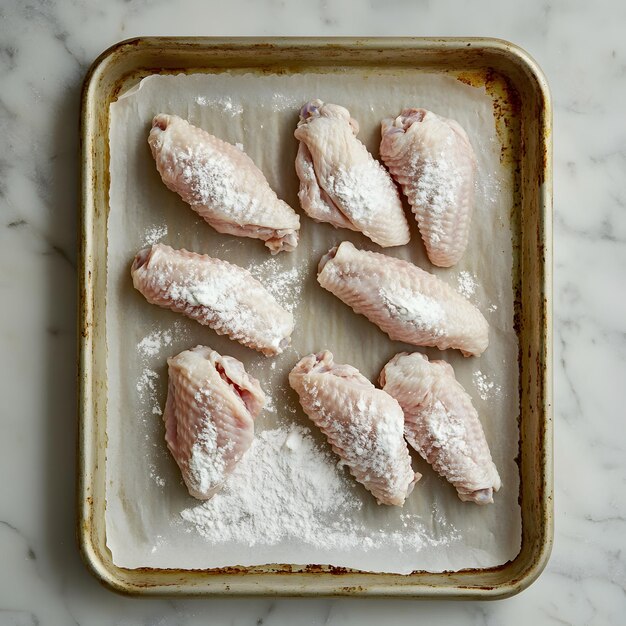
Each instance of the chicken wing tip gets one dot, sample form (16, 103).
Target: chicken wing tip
(311, 109)
(329, 256)
(161, 121)
(141, 258)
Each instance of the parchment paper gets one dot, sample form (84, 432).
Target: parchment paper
(145, 495)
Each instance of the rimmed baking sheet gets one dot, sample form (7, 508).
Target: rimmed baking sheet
(521, 104)
(300, 508)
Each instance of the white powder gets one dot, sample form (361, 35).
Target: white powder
(287, 488)
(152, 343)
(147, 389)
(362, 192)
(150, 350)
(486, 388)
(210, 179)
(434, 195)
(216, 291)
(372, 439)
(446, 429)
(409, 306)
(284, 102)
(158, 540)
(285, 285)
(147, 382)
(283, 486)
(223, 102)
(239, 146)
(269, 406)
(466, 284)
(207, 465)
(220, 295)
(223, 185)
(153, 234)
(155, 476)
(492, 308)
(488, 186)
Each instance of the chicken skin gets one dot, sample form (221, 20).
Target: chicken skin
(221, 183)
(432, 158)
(209, 416)
(340, 182)
(441, 423)
(215, 293)
(403, 300)
(363, 425)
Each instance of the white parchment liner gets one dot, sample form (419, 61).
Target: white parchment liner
(145, 495)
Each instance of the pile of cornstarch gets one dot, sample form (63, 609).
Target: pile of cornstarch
(466, 284)
(288, 487)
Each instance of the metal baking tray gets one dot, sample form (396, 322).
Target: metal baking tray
(522, 108)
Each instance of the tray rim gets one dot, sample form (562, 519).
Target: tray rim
(277, 581)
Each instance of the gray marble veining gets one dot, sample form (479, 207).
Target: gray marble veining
(46, 47)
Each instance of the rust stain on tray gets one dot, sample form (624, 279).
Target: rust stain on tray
(507, 108)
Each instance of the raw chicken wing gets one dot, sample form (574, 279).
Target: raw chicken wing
(215, 293)
(363, 425)
(209, 416)
(340, 182)
(432, 159)
(403, 300)
(221, 183)
(442, 425)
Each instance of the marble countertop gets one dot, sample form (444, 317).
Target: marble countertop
(46, 47)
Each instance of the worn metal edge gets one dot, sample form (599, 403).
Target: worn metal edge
(535, 73)
(539, 558)
(85, 459)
